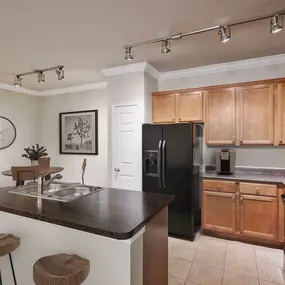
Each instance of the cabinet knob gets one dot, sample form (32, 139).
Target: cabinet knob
(233, 198)
(218, 186)
(234, 140)
(241, 141)
(280, 141)
(179, 119)
(241, 199)
(257, 190)
(173, 120)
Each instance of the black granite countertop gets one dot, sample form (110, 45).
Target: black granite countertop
(113, 213)
(265, 177)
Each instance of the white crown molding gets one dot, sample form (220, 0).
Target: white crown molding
(22, 90)
(224, 67)
(132, 68)
(74, 89)
(52, 92)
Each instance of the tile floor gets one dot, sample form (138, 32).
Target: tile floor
(210, 261)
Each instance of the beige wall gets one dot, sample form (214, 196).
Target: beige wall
(51, 106)
(253, 156)
(23, 111)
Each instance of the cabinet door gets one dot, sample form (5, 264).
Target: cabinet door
(281, 113)
(258, 216)
(220, 116)
(219, 211)
(163, 108)
(256, 114)
(189, 106)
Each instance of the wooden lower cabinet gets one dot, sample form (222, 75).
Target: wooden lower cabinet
(258, 217)
(219, 211)
(247, 213)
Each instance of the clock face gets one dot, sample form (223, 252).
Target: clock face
(7, 132)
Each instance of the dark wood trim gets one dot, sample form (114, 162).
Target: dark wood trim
(203, 88)
(96, 132)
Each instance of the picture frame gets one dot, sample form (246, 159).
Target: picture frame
(78, 132)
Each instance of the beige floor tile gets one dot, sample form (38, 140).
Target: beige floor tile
(239, 243)
(240, 265)
(175, 281)
(271, 272)
(179, 268)
(231, 278)
(264, 254)
(263, 282)
(210, 257)
(212, 243)
(182, 249)
(203, 275)
(240, 250)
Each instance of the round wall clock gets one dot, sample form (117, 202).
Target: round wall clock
(7, 132)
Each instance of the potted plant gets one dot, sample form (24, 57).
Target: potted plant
(34, 153)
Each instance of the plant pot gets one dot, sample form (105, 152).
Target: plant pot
(34, 163)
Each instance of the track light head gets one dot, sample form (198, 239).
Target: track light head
(18, 81)
(225, 33)
(60, 73)
(129, 54)
(165, 46)
(41, 77)
(276, 24)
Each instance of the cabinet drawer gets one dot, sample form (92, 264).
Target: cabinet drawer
(258, 189)
(219, 185)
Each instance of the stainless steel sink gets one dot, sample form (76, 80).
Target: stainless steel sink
(64, 192)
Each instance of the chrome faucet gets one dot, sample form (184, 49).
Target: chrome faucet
(42, 186)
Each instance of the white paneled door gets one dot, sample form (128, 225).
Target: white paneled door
(126, 148)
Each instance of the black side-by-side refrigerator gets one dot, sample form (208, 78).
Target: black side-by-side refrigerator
(172, 159)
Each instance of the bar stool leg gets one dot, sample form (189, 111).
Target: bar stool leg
(0, 278)
(12, 267)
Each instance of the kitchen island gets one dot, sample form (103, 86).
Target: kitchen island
(124, 234)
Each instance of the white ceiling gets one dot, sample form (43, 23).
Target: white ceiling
(87, 36)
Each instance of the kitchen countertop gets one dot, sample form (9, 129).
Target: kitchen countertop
(266, 177)
(113, 213)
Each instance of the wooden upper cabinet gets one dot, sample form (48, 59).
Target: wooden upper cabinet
(163, 108)
(189, 106)
(256, 115)
(280, 126)
(220, 116)
(219, 211)
(258, 216)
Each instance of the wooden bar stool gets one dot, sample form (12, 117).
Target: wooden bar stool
(8, 243)
(61, 269)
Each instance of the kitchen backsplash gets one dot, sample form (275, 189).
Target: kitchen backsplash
(270, 157)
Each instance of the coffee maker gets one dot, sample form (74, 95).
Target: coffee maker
(225, 161)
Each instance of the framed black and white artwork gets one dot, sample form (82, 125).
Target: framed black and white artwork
(78, 132)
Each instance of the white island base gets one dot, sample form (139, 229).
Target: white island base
(141, 260)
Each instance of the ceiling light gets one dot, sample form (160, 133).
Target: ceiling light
(60, 73)
(41, 77)
(276, 24)
(129, 54)
(165, 46)
(18, 81)
(225, 33)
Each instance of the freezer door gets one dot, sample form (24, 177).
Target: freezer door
(151, 146)
(177, 177)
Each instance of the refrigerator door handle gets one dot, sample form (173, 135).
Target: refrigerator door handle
(163, 164)
(159, 165)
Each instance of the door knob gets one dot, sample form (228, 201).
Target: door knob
(117, 169)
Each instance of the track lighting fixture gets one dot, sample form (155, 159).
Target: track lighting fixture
(129, 54)
(165, 46)
(59, 69)
(60, 73)
(41, 77)
(18, 81)
(276, 24)
(225, 34)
